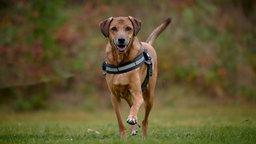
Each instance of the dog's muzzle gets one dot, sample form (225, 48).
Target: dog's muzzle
(121, 44)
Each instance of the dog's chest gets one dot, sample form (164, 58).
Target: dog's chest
(120, 90)
(118, 79)
(119, 84)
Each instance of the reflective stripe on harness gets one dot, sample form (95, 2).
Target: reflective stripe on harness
(129, 66)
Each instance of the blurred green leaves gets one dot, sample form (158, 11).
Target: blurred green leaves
(29, 53)
(210, 45)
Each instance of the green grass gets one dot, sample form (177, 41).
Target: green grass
(211, 124)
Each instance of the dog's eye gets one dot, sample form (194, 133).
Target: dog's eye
(114, 29)
(128, 28)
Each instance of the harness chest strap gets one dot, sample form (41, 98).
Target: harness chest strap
(129, 66)
(143, 58)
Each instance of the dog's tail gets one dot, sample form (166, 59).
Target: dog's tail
(156, 32)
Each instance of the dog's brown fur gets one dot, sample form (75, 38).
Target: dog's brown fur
(128, 85)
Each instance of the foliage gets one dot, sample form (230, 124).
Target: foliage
(29, 53)
(210, 45)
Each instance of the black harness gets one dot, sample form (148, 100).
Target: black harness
(143, 58)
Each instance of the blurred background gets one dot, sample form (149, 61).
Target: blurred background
(51, 52)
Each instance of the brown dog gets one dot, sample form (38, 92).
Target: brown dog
(124, 80)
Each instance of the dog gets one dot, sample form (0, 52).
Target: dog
(135, 84)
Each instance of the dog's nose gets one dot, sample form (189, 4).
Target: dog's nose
(121, 40)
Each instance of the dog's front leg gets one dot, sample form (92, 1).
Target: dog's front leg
(134, 128)
(138, 100)
(116, 105)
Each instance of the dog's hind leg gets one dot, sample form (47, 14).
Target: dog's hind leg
(148, 99)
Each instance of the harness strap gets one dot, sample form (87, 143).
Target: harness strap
(144, 57)
(148, 61)
(126, 67)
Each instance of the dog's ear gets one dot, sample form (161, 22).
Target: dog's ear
(104, 26)
(136, 24)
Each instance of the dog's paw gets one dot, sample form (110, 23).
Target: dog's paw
(131, 120)
(134, 132)
(134, 129)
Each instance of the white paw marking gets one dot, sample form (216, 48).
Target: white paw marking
(131, 121)
(133, 132)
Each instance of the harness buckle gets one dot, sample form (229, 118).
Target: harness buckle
(147, 57)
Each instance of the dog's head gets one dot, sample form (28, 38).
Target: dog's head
(120, 31)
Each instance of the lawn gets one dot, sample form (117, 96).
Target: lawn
(174, 124)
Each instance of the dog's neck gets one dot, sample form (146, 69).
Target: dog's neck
(118, 58)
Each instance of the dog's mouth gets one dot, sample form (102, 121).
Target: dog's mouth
(121, 47)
